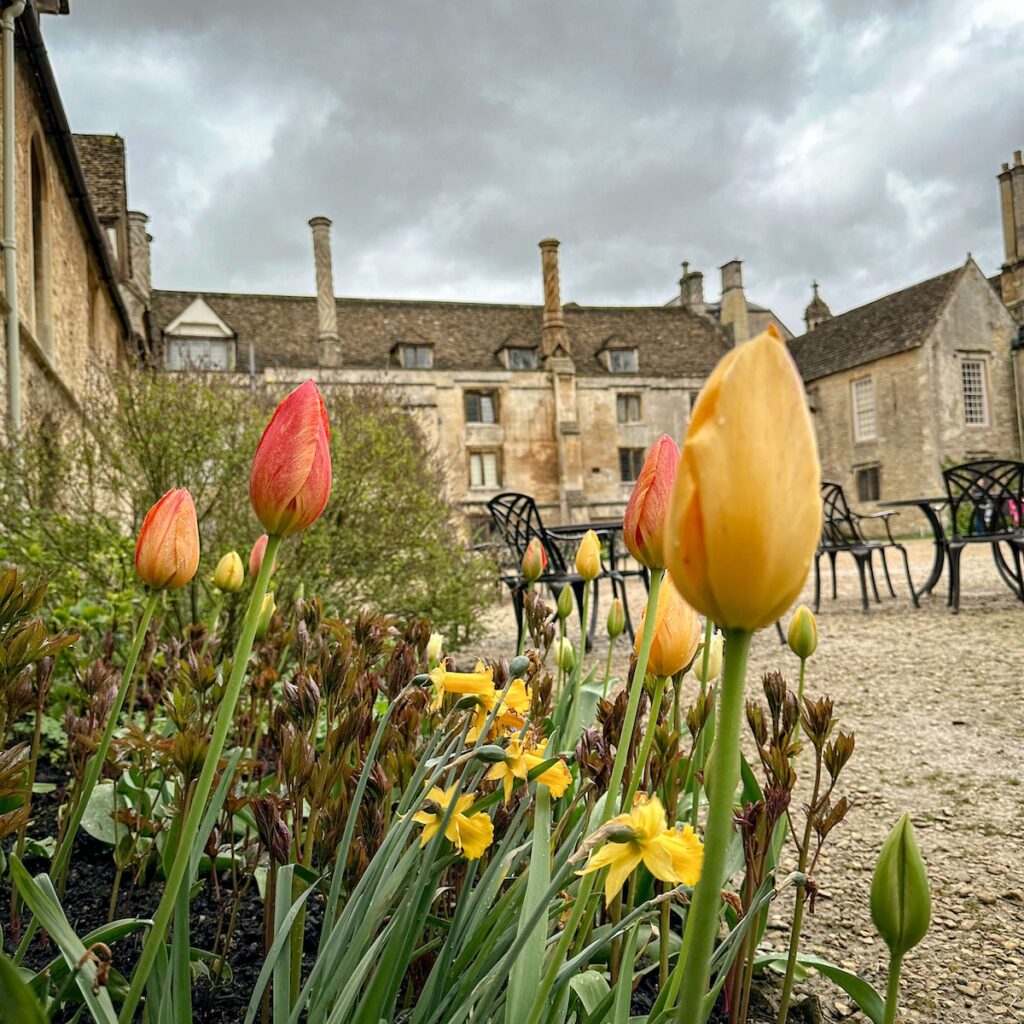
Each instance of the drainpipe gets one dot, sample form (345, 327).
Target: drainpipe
(8, 241)
(1016, 346)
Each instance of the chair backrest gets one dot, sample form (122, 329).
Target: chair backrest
(838, 528)
(517, 520)
(986, 498)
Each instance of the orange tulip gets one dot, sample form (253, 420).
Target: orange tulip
(291, 473)
(643, 526)
(535, 560)
(745, 514)
(676, 633)
(259, 549)
(167, 551)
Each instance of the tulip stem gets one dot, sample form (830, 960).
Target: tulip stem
(648, 740)
(892, 988)
(577, 672)
(799, 698)
(635, 689)
(608, 666)
(222, 724)
(697, 762)
(723, 778)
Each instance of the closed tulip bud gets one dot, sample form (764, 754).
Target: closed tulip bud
(267, 610)
(616, 618)
(676, 633)
(229, 574)
(803, 632)
(643, 525)
(167, 551)
(535, 560)
(259, 549)
(745, 514)
(900, 900)
(714, 658)
(434, 645)
(564, 604)
(518, 667)
(291, 472)
(588, 556)
(565, 654)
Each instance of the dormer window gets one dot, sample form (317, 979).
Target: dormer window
(521, 358)
(198, 354)
(623, 360)
(417, 357)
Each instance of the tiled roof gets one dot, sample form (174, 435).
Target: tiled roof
(885, 327)
(465, 335)
(102, 160)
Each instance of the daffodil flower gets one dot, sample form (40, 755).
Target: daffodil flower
(479, 682)
(470, 834)
(671, 855)
(515, 702)
(520, 760)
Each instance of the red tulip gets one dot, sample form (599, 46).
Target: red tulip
(259, 549)
(167, 551)
(291, 473)
(643, 526)
(535, 560)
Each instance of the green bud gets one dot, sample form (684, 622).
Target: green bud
(803, 632)
(900, 901)
(518, 667)
(267, 610)
(565, 602)
(565, 655)
(490, 752)
(616, 618)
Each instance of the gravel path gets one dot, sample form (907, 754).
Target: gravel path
(935, 702)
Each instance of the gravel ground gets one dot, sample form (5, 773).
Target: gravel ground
(934, 700)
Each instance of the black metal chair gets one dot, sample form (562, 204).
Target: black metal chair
(986, 506)
(518, 521)
(841, 533)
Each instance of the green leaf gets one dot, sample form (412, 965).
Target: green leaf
(860, 991)
(98, 816)
(18, 1000)
(591, 988)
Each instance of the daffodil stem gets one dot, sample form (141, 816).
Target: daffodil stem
(648, 741)
(723, 778)
(633, 703)
(697, 764)
(222, 725)
(892, 988)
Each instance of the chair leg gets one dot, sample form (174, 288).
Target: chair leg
(885, 570)
(594, 601)
(832, 559)
(955, 551)
(782, 636)
(578, 588)
(910, 583)
(871, 576)
(817, 582)
(619, 590)
(517, 608)
(1017, 567)
(862, 571)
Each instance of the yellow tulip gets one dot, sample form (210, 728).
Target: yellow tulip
(588, 556)
(671, 855)
(803, 632)
(520, 760)
(676, 633)
(745, 514)
(229, 574)
(470, 834)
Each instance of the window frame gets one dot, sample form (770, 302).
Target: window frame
(409, 347)
(859, 434)
(614, 352)
(522, 350)
(864, 473)
(631, 453)
(176, 343)
(982, 365)
(480, 395)
(625, 400)
(482, 453)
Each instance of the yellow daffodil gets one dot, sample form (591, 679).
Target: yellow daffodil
(520, 760)
(479, 682)
(515, 700)
(470, 834)
(671, 855)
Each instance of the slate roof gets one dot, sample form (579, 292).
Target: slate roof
(892, 324)
(465, 335)
(103, 164)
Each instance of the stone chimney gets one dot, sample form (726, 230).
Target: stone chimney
(691, 290)
(816, 311)
(734, 303)
(328, 343)
(136, 289)
(555, 338)
(1011, 201)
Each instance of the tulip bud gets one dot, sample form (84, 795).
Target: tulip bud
(565, 601)
(714, 658)
(167, 551)
(259, 549)
(565, 654)
(434, 645)
(518, 667)
(229, 574)
(803, 633)
(267, 610)
(616, 619)
(643, 525)
(291, 471)
(900, 901)
(535, 560)
(676, 633)
(745, 514)
(588, 556)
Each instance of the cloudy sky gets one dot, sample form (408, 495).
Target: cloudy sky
(848, 140)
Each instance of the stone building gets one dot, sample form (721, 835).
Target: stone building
(70, 318)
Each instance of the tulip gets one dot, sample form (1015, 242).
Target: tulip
(643, 526)
(900, 900)
(588, 557)
(291, 472)
(564, 603)
(745, 514)
(229, 574)
(256, 556)
(167, 551)
(434, 645)
(535, 560)
(676, 634)
(267, 609)
(565, 654)
(803, 633)
(714, 659)
(616, 619)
